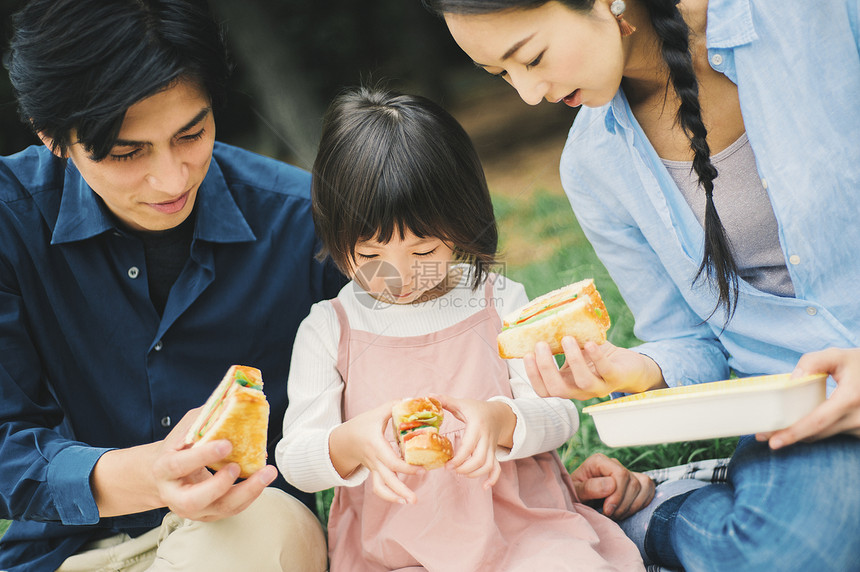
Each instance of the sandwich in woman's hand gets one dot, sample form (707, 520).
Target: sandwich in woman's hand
(237, 411)
(416, 425)
(575, 310)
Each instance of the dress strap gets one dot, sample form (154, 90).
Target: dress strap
(489, 296)
(343, 340)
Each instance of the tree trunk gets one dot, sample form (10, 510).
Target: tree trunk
(282, 98)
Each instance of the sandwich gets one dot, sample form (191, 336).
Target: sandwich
(237, 411)
(576, 310)
(416, 425)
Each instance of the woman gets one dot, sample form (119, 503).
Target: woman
(720, 199)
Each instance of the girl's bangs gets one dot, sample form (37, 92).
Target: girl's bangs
(403, 200)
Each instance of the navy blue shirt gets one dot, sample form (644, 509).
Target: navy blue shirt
(87, 363)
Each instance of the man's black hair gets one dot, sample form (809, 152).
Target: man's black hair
(76, 66)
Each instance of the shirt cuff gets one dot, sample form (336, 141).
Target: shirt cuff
(687, 363)
(69, 483)
(355, 478)
(519, 437)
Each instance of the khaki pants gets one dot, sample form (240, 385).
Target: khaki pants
(277, 532)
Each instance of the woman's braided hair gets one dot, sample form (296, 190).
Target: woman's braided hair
(717, 260)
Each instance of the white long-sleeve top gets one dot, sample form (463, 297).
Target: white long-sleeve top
(315, 387)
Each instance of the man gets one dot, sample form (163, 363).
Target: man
(139, 260)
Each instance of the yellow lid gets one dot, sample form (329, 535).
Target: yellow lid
(728, 386)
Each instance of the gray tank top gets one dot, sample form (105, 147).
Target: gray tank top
(746, 212)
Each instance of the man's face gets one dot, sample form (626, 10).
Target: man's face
(150, 178)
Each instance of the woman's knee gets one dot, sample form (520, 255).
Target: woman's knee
(791, 506)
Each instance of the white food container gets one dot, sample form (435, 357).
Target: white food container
(708, 410)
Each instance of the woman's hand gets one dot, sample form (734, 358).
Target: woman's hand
(361, 441)
(625, 492)
(840, 413)
(594, 371)
(489, 424)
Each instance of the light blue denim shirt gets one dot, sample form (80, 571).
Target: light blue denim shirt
(797, 69)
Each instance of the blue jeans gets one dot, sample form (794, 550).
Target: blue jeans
(797, 508)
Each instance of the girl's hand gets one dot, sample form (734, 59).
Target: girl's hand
(594, 371)
(625, 492)
(489, 424)
(840, 413)
(361, 441)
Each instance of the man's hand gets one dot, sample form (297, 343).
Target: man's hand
(625, 492)
(190, 490)
(172, 474)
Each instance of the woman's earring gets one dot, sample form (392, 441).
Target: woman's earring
(617, 8)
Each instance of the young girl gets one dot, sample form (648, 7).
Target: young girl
(402, 206)
(724, 204)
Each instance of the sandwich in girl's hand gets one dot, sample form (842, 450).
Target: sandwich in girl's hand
(575, 310)
(237, 411)
(416, 424)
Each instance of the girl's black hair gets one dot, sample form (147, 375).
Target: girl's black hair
(390, 162)
(78, 65)
(717, 260)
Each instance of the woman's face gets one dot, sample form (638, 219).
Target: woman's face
(550, 52)
(150, 178)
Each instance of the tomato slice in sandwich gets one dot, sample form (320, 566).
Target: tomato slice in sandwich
(411, 426)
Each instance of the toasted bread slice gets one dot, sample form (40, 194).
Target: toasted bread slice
(576, 310)
(237, 411)
(427, 448)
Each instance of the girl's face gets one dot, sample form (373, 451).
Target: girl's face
(550, 52)
(404, 270)
(149, 180)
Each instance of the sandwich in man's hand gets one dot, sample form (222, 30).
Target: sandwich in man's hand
(576, 310)
(416, 424)
(237, 411)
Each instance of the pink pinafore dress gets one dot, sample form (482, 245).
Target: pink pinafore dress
(527, 521)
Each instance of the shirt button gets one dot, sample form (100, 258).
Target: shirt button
(811, 311)
(717, 59)
(764, 183)
(794, 259)
(133, 272)
(165, 421)
(158, 345)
